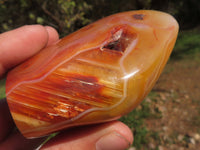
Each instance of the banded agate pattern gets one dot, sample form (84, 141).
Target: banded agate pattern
(93, 75)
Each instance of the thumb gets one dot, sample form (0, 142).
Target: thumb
(109, 136)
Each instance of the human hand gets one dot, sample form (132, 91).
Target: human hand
(15, 47)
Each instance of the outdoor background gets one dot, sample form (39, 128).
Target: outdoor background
(169, 117)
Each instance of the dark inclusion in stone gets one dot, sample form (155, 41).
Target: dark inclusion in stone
(115, 45)
(138, 16)
(119, 41)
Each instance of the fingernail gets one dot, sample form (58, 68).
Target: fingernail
(112, 141)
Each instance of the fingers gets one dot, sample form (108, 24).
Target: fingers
(19, 44)
(53, 35)
(108, 136)
(6, 122)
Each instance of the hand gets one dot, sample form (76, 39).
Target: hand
(15, 47)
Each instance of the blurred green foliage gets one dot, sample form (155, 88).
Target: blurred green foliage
(135, 120)
(188, 44)
(69, 15)
(2, 89)
(64, 15)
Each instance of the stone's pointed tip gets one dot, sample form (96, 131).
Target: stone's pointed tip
(164, 19)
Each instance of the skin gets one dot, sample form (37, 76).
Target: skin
(15, 47)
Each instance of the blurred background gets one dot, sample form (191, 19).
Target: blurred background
(169, 117)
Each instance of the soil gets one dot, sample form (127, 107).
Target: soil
(178, 101)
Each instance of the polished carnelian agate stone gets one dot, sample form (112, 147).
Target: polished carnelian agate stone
(93, 75)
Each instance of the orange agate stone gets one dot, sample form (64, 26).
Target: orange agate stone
(93, 75)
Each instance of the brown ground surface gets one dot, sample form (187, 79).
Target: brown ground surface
(178, 101)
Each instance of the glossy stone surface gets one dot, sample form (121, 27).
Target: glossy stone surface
(95, 74)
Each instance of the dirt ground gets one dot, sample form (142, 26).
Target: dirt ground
(178, 101)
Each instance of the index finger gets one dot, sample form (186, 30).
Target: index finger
(19, 44)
